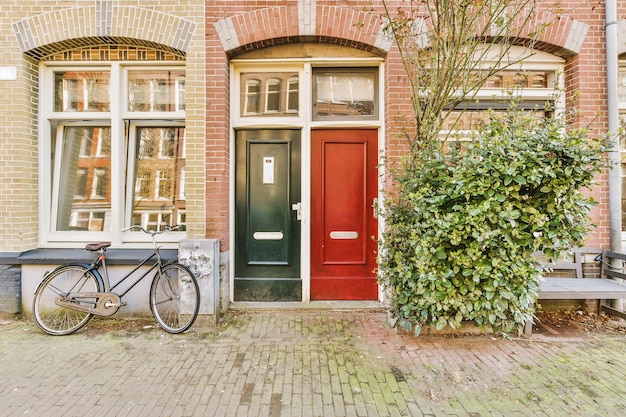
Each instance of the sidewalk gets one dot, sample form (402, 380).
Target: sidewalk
(305, 363)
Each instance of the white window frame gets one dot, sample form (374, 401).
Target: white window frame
(248, 94)
(180, 93)
(165, 143)
(82, 173)
(181, 191)
(161, 175)
(51, 125)
(141, 185)
(100, 175)
(529, 60)
(99, 152)
(270, 82)
(132, 127)
(85, 148)
(290, 82)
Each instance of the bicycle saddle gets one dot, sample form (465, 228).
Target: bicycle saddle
(97, 246)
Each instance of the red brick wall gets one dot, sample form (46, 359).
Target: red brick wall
(585, 84)
(263, 23)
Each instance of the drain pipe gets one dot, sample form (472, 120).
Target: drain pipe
(615, 180)
(615, 168)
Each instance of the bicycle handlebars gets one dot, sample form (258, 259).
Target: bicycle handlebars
(152, 232)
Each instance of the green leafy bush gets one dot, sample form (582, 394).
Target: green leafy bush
(460, 236)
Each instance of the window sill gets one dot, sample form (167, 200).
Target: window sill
(114, 256)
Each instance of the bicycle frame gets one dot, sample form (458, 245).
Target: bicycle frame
(109, 302)
(69, 296)
(100, 261)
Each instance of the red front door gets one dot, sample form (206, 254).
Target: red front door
(344, 180)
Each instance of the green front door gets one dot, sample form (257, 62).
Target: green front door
(267, 216)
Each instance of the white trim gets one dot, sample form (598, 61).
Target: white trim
(306, 106)
(304, 122)
(234, 91)
(131, 143)
(51, 121)
(381, 165)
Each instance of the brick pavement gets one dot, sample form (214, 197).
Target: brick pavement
(305, 363)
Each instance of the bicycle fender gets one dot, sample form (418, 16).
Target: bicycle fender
(95, 273)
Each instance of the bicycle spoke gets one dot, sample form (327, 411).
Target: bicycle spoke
(67, 281)
(174, 298)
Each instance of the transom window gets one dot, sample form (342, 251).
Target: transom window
(269, 94)
(116, 137)
(349, 93)
(334, 94)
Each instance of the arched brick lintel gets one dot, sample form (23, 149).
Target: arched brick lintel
(542, 30)
(102, 23)
(556, 34)
(289, 24)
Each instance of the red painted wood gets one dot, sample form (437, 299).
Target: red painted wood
(343, 228)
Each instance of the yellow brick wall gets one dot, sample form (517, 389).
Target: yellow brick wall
(52, 27)
(18, 143)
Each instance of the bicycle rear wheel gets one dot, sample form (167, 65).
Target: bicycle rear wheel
(70, 279)
(175, 298)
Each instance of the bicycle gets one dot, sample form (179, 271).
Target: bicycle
(70, 295)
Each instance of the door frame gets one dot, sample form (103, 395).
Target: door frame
(306, 125)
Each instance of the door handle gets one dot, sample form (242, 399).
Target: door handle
(297, 207)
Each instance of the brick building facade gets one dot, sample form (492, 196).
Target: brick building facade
(260, 123)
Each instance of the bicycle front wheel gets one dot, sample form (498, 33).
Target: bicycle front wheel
(70, 279)
(175, 298)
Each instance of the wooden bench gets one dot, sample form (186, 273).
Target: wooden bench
(609, 286)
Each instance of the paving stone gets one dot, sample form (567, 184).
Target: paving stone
(309, 363)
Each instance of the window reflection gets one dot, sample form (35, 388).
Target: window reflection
(156, 90)
(159, 197)
(253, 94)
(272, 95)
(82, 91)
(84, 198)
(345, 94)
(265, 94)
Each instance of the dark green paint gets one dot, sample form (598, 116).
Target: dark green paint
(267, 269)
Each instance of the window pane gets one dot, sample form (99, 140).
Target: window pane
(84, 201)
(82, 91)
(268, 94)
(272, 97)
(253, 94)
(293, 96)
(156, 90)
(345, 94)
(475, 119)
(622, 136)
(159, 197)
(622, 84)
